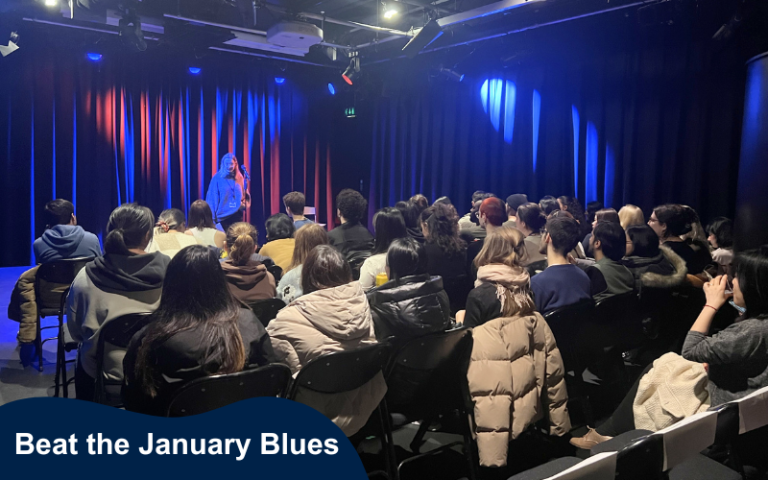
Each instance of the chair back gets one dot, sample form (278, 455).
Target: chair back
(342, 371)
(568, 325)
(727, 423)
(619, 323)
(642, 459)
(266, 310)
(753, 410)
(209, 393)
(688, 437)
(426, 374)
(356, 260)
(458, 289)
(117, 333)
(60, 272)
(309, 212)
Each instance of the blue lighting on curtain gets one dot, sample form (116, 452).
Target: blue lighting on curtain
(187, 156)
(94, 57)
(54, 149)
(575, 114)
(331, 89)
(510, 95)
(200, 155)
(32, 187)
(610, 172)
(279, 80)
(74, 152)
(498, 98)
(219, 118)
(195, 70)
(130, 154)
(536, 121)
(590, 181)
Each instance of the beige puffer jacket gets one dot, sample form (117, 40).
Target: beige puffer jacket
(331, 320)
(515, 365)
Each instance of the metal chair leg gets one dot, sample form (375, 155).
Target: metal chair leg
(387, 442)
(39, 345)
(418, 439)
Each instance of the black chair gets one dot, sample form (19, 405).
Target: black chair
(427, 377)
(619, 322)
(209, 393)
(117, 333)
(356, 260)
(458, 289)
(266, 310)
(61, 273)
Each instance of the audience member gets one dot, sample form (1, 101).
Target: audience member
(492, 215)
(198, 330)
(670, 222)
(169, 235)
(411, 212)
(602, 215)
(412, 303)
(332, 316)
(294, 206)
(202, 226)
(720, 237)
(513, 203)
(736, 357)
(548, 204)
(608, 276)
(247, 278)
(388, 224)
(592, 208)
(125, 280)
(420, 201)
(446, 252)
(351, 238)
(652, 265)
(630, 215)
(561, 284)
(280, 241)
(63, 237)
(289, 288)
(531, 221)
(573, 206)
(444, 201)
(470, 220)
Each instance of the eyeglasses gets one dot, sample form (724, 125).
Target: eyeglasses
(652, 220)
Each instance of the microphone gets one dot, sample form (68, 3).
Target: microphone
(245, 172)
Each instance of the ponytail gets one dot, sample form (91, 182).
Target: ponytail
(128, 227)
(115, 243)
(242, 239)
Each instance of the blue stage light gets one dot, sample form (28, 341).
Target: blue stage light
(194, 70)
(332, 89)
(279, 80)
(94, 57)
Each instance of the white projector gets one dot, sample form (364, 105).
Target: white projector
(298, 35)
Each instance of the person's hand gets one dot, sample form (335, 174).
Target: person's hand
(460, 316)
(715, 291)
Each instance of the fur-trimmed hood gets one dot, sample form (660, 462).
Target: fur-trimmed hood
(646, 269)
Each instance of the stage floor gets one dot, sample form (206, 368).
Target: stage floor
(18, 382)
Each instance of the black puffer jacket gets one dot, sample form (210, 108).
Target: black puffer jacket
(410, 307)
(665, 270)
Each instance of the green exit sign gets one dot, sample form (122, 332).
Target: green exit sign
(349, 112)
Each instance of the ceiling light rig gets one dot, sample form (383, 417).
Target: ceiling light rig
(451, 74)
(353, 70)
(390, 11)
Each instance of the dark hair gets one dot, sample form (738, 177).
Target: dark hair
(58, 212)
(351, 204)
(573, 206)
(242, 239)
(645, 242)
(478, 195)
(402, 207)
(679, 219)
(514, 202)
(531, 215)
(389, 225)
(128, 227)
(612, 238)
(170, 219)
(443, 200)
(592, 208)
(295, 201)
(722, 229)
(279, 226)
(443, 228)
(195, 296)
(494, 210)
(548, 204)
(406, 256)
(420, 201)
(564, 232)
(607, 215)
(751, 269)
(324, 268)
(200, 215)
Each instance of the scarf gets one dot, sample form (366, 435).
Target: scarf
(516, 280)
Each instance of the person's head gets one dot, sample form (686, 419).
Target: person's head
(643, 241)
(307, 237)
(279, 226)
(562, 233)
(228, 164)
(200, 215)
(325, 267)
(609, 240)
(492, 212)
(441, 227)
(405, 257)
(129, 228)
(506, 246)
(171, 219)
(294, 203)
(351, 205)
(402, 207)
(242, 240)
(606, 215)
(59, 212)
(478, 195)
(514, 202)
(750, 281)
(444, 201)
(672, 220)
(420, 200)
(548, 204)
(631, 215)
(572, 206)
(530, 218)
(720, 233)
(389, 225)
(195, 296)
(592, 208)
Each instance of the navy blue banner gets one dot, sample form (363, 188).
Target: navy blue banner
(257, 438)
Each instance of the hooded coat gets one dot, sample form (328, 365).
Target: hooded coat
(322, 322)
(250, 282)
(665, 270)
(66, 241)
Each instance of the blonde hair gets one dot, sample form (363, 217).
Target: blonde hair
(631, 215)
(307, 237)
(504, 246)
(242, 239)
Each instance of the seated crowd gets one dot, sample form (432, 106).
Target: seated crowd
(498, 270)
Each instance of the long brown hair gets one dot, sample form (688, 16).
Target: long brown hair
(506, 246)
(307, 237)
(242, 239)
(200, 215)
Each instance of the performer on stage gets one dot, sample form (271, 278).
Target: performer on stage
(226, 195)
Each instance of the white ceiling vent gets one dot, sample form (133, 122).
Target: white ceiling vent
(296, 35)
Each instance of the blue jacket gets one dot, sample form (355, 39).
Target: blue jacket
(224, 196)
(66, 241)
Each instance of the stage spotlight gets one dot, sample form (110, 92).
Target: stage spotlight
(94, 57)
(390, 12)
(426, 35)
(451, 74)
(130, 31)
(279, 80)
(51, 3)
(194, 70)
(331, 89)
(352, 71)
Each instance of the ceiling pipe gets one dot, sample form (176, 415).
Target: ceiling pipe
(484, 11)
(373, 28)
(272, 57)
